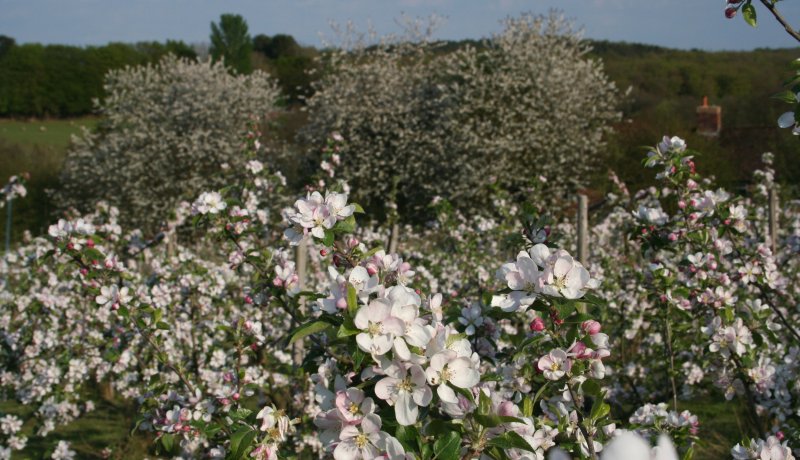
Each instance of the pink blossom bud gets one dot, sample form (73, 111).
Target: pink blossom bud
(277, 282)
(254, 346)
(235, 396)
(694, 216)
(507, 409)
(372, 269)
(578, 349)
(691, 185)
(341, 304)
(248, 325)
(591, 327)
(323, 252)
(352, 242)
(90, 243)
(84, 271)
(672, 237)
(693, 203)
(248, 300)
(682, 204)
(228, 377)
(537, 325)
(225, 401)
(779, 435)
(70, 246)
(726, 221)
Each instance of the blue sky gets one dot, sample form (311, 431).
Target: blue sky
(674, 23)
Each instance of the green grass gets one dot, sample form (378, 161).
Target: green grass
(722, 425)
(108, 425)
(38, 148)
(44, 133)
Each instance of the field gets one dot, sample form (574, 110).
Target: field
(37, 147)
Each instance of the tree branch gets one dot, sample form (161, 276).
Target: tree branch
(768, 4)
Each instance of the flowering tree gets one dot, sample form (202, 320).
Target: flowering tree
(168, 128)
(419, 124)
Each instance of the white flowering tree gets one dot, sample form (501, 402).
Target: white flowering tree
(168, 128)
(419, 123)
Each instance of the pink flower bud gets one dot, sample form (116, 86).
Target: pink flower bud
(591, 327)
(507, 409)
(372, 269)
(578, 349)
(672, 237)
(691, 185)
(277, 282)
(779, 435)
(537, 325)
(235, 396)
(682, 204)
(341, 304)
(323, 252)
(248, 300)
(352, 242)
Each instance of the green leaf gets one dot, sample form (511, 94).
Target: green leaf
(162, 325)
(167, 442)
(599, 409)
(491, 378)
(345, 226)
(358, 358)
(352, 300)
(786, 96)
(491, 420)
(448, 446)
(527, 407)
(484, 404)
(749, 14)
(240, 442)
(328, 239)
(463, 392)
(407, 435)
(358, 209)
(510, 440)
(308, 329)
(591, 388)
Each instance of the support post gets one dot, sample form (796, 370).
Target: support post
(9, 212)
(583, 228)
(394, 238)
(301, 261)
(773, 220)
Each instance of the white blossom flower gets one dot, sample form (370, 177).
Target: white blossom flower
(406, 389)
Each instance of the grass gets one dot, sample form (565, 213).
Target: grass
(43, 133)
(39, 148)
(722, 425)
(107, 426)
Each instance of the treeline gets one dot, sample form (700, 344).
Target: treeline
(667, 85)
(61, 81)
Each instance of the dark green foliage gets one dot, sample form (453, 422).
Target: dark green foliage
(293, 65)
(666, 88)
(6, 43)
(277, 46)
(231, 43)
(61, 81)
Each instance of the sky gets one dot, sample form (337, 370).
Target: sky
(682, 24)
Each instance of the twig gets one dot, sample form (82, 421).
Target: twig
(589, 439)
(768, 4)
